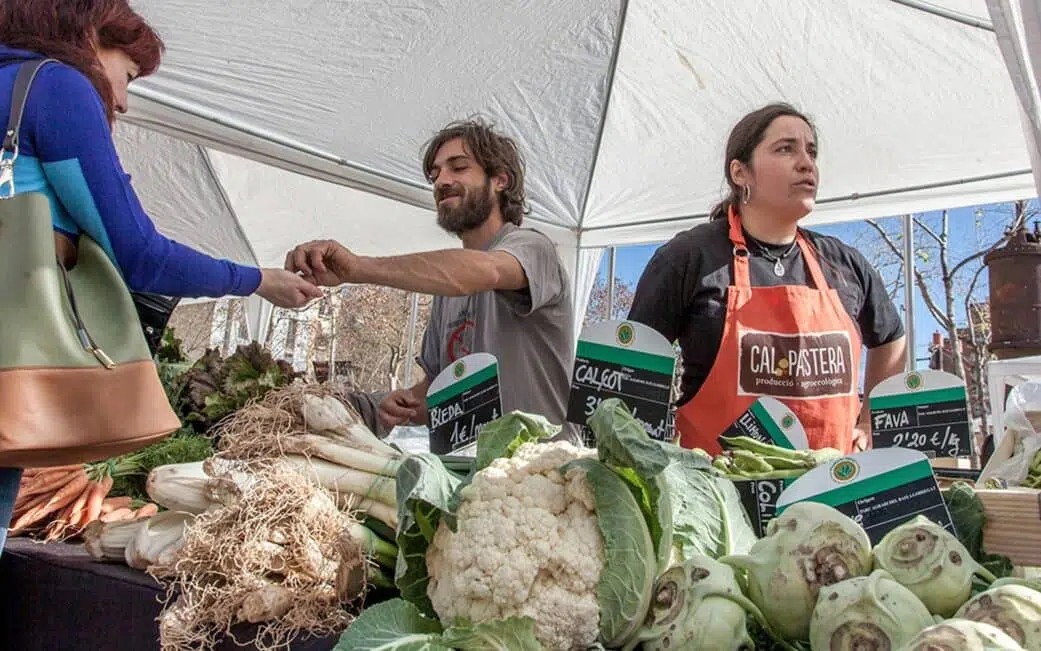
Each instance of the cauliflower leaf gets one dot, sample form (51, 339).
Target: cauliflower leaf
(397, 625)
(425, 491)
(625, 588)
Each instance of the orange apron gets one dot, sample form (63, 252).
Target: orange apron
(794, 343)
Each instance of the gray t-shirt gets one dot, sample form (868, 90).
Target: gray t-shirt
(529, 331)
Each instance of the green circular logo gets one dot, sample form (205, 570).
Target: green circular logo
(844, 470)
(459, 369)
(625, 334)
(913, 381)
(787, 421)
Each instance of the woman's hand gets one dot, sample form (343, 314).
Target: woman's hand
(861, 437)
(286, 289)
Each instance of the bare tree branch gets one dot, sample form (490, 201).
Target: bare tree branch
(886, 238)
(928, 231)
(931, 305)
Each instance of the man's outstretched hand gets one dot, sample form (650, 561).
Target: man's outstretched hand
(322, 262)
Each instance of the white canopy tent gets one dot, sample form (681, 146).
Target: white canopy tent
(272, 122)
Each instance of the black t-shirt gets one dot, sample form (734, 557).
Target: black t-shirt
(683, 291)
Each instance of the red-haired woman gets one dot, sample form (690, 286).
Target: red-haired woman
(65, 151)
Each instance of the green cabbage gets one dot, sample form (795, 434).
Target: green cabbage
(866, 612)
(809, 546)
(961, 635)
(1015, 609)
(931, 562)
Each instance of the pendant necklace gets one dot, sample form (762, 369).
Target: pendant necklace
(778, 267)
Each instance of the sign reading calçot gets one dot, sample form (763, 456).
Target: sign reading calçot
(461, 400)
(879, 489)
(922, 410)
(629, 361)
(768, 420)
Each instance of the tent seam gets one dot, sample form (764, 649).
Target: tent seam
(611, 70)
(227, 202)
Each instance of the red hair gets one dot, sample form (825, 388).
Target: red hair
(66, 30)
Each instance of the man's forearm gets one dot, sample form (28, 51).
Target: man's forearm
(883, 362)
(443, 273)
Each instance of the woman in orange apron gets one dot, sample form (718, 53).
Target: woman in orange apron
(761, 307)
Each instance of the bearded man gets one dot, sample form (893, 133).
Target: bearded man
(505, 292)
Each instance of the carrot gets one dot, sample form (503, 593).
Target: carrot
(93, 508)
(122, 513)
(48, 482)
(76, 508)
(32, 472)
(41, 498)
(147, 511)
(110, 504)
(66, 494)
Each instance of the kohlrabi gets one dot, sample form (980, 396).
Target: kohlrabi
(961, 635)
(698, 606)
(931, 562)
(866, 613)
(809, 546)
(1015, 609)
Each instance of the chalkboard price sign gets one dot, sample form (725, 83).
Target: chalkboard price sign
(461, 400)
(629, 361)
(922, 410)
(879, 489)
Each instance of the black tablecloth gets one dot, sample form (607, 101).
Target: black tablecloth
(56, 598)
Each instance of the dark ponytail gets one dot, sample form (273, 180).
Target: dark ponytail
(744, 138)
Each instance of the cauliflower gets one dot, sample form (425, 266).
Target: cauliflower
(527, 543)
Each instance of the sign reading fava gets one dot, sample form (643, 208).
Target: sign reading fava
(629, 361)
(879, 489)
(922, 410)
(461, 400)
(769, 421)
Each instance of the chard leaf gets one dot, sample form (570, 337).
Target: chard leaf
(393, 625)
(707, 516)
(622, 441)
(512, 634)
(425, 493)
(626, 583)
(968, 517)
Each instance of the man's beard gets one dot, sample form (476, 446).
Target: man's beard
(475, 206)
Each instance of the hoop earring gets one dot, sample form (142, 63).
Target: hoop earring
(747, 193)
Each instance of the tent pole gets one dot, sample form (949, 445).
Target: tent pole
(412, 318)
(909, 290)
(956, 16)
(610, 282)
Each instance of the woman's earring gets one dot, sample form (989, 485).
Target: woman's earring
(747, 193)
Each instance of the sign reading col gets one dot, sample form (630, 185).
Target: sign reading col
(629, 361)
(461, 400)
(879, 489)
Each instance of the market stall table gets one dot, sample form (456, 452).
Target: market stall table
(57, 598)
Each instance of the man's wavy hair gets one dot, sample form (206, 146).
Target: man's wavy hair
(495, 153)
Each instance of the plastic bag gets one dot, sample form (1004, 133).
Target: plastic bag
(1023, 424)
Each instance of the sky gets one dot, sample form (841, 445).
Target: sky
(970, 229)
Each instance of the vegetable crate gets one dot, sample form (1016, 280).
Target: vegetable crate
(1013, 524)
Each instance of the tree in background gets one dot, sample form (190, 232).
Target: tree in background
(371, 326)
(599, 296)
(949, 277)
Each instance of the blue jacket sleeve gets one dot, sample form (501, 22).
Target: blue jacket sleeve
(71, 138)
